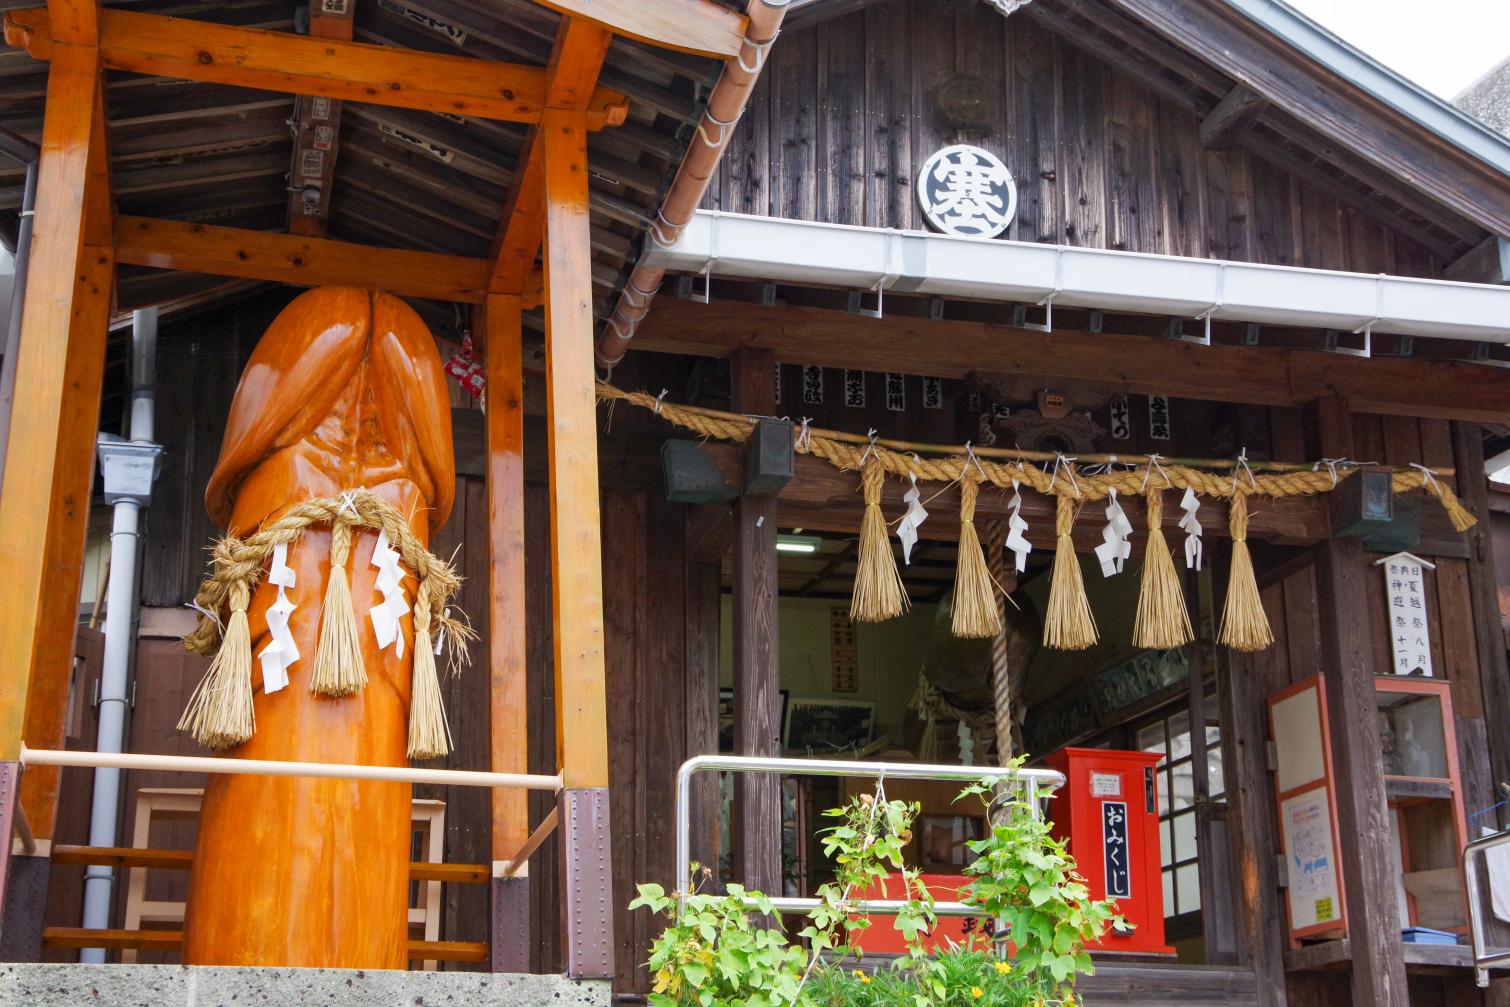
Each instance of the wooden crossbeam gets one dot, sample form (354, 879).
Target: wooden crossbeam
(301, 260)
(172, 940)
(297, 64)
(696, 26)
(182, 860)
(1259, 375)
(576, 60)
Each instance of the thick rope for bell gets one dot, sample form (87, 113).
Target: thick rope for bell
(879, 593)
(339, 668)
(429, 731)
(220, 713)
(976, 613)
(1245, 624)
(1001, 682)
(1162, 621)
(1068, 623)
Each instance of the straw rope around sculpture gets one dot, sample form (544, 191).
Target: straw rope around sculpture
(1070, 623)
(220, 712)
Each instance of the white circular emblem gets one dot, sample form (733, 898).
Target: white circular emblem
(966, 190)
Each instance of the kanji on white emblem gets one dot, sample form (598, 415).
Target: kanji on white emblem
(968, 191)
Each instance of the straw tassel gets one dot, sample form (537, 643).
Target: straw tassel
(878, 594)
(977, 615)
(1245, 625)
(1068, 624)
(429, 732)
(339, 670)
(220, 713)
(1163, 620)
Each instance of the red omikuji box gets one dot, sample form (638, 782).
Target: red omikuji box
(1109, 810)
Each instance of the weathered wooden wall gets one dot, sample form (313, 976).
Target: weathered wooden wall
(843, 119)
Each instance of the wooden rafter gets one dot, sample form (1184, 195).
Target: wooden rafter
(302, 260)
(317, 132)
(576, 60)
(695, 26)
(329, 68)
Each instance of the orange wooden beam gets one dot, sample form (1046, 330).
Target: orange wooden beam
(502, 331)
(576, 551)
(306, 261)
(696, 26)
(298, 64)
(576, 60)
(50, 455)
(76, 22)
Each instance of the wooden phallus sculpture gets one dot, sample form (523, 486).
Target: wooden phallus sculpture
(344, 401)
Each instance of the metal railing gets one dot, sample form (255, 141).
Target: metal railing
(1038, 783)
(1473, 856)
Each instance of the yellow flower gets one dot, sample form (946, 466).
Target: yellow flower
(977, 992)
(1003, 968)
(864, 979)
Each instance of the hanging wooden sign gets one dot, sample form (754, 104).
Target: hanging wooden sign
(1121, 424)
(1409, 625)
(854, 389)
(844, 662)
(812, 386)
(896, 393)
(1158, 417)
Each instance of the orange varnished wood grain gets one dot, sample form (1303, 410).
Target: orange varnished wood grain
(576, 558)
(297, 64)
(49, 460)
(345, 390)
(509, 694)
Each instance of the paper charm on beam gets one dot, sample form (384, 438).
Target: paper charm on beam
(1191, 525)
(387, 613)
(907, 527)
(1016, 526)
(281, 651)
(1115, 548)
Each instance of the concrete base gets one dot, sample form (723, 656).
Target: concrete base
(207, 986)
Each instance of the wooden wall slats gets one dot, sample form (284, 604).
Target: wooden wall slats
(1099, 159)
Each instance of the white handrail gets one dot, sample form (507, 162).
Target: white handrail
(1037, 782)
(267, 767)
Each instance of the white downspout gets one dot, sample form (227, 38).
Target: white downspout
(128, 468)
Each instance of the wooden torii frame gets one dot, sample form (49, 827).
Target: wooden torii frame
(78, 242)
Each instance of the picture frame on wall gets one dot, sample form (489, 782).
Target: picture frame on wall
(828, 725)
(726, 719)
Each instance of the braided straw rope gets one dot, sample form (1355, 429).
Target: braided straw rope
(1001, 683)
(241, 562)
(1067, 480)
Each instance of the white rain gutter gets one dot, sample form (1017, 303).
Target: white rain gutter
(742, 246)
(128, 469)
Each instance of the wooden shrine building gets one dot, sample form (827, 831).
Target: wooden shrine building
(1095, 238)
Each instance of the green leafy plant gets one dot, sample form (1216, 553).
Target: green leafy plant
(713, 954)
(1026, 878)
(721, 950)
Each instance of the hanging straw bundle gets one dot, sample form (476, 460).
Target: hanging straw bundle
(1162, 620)
(879, 593)
(976, 612)
(220, 713)
(339, 670)
(1068, 624)
(429, 731)
(1245, 625)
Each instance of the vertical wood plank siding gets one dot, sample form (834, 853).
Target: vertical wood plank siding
(844, 118)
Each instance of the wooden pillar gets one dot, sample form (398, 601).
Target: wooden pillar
(501, 333)
(1368, 868)
(757, 669)
(49, 460)
(576, 551)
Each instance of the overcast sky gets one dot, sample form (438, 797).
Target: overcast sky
(1443, 45)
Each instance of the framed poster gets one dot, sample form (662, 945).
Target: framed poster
(828, 725)
(1307, 810)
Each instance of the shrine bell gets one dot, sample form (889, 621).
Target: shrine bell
(1108, 809)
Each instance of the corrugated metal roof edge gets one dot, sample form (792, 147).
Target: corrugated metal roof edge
(1374, 78)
